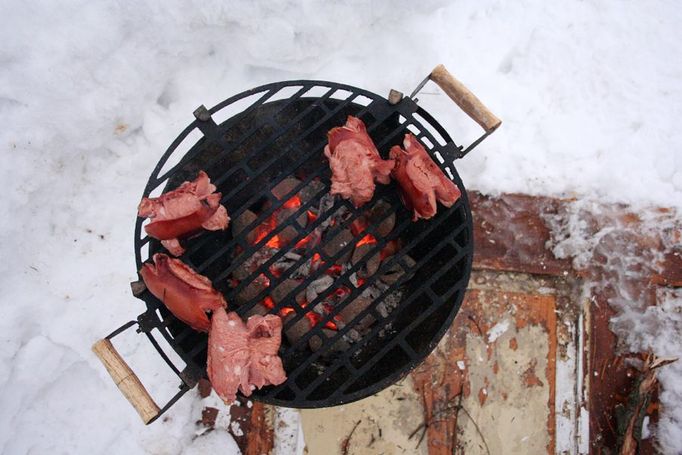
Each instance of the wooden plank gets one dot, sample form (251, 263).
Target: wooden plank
(510, 234)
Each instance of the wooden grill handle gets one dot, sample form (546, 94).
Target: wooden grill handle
(466, 100)
(126, 380)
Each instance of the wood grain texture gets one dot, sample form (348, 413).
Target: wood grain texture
(466, 100)
(126, 380)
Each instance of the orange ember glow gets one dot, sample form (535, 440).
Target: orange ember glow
(268, 303)
(306, 240)
(316, 258)
(311, 216)
(275, 271)
(315, 319)
(293, 203)
(361, 281)
(286, 310)
(368, 239)
(341, 291)
(334, 269)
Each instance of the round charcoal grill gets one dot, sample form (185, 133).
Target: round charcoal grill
(250, 143)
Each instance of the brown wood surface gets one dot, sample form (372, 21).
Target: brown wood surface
(510, 234)
(260, 436)
(466, 100)
(126, 380)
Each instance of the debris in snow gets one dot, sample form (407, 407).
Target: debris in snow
(632, 417)
(624, 250)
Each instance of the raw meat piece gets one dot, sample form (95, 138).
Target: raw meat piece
(187, 294)
(243, 356)
(421, 180)
(355, 162)
(185, 210)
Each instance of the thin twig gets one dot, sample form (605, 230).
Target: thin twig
(346, 442)
(456, 418)
(478, 327)
(477, 429)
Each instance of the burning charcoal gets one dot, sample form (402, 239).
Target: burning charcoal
(285, 187)
(257, 310)
(332, 247)
(396, 271)
(316, 342)
(241, 222)
(282, 290)
(297, 330)
(312, 189)
(317, 287)
(252, 263)
(370, 265)
(379, 212)
(252, 290)
(286, 235)
(350, 311)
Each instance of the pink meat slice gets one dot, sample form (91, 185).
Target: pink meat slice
(187, 209)
(355, 162)
(185, 293)
(243, 356)
(421, 181)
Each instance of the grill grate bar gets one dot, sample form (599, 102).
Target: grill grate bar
(281, 226)
(267, 213)
(396, 340)
(305, 87)
(371, 280)
(284, 174)
(355, 292)
(379, 325)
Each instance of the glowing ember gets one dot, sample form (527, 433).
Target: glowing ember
(307, 239)
(268, 303)
(286, 310)
(361, 282)
(366, 240)
(293, 203)
(335, 269)
(315, 319)
(275, 271)
(341, 291)
(275, 242)
(311, 216)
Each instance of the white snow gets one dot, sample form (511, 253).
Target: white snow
(639, 327)
(498, 330)
(91, 94)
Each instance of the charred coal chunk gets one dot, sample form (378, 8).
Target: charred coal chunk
(353, 309)
(397, 271)
(336, 244)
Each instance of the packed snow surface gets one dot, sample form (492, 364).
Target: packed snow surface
(92, 93)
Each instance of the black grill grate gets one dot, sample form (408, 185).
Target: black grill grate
(281, 135)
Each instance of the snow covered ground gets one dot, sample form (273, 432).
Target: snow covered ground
(91, 93)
